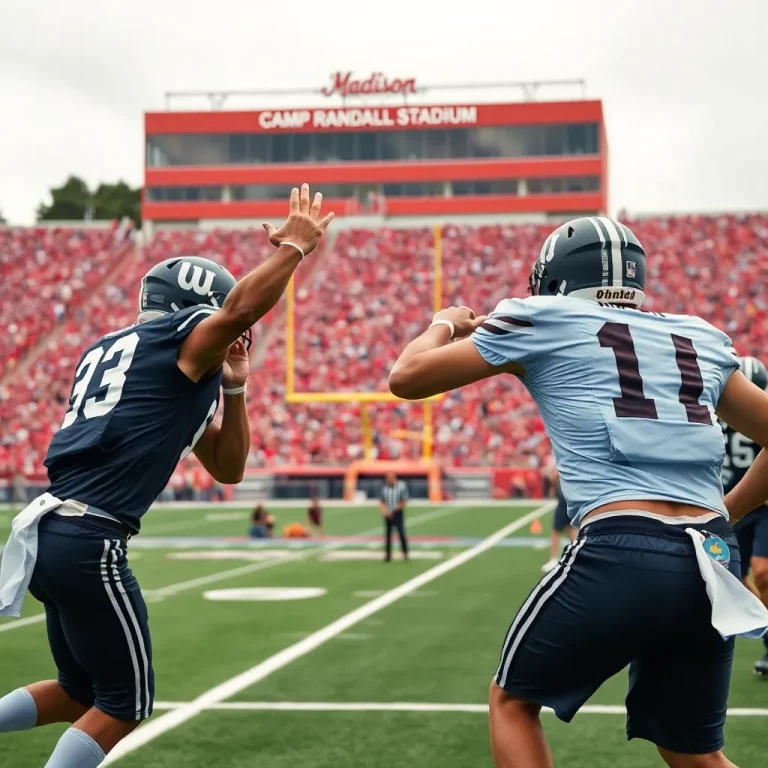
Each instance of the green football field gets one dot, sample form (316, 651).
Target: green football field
(386, 665)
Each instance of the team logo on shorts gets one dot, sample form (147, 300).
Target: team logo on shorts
(631, 269)
(717, 549)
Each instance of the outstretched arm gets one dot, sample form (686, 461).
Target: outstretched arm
(744, 407)
(430, 365)
(206, 347)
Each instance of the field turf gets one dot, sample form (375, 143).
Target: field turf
(359, 676)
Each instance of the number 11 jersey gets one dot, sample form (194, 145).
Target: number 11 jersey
(627, 397)
(132, 416)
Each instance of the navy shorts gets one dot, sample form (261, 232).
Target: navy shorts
(628, 591)
(752, 533)
(96, 617)
(560, 519)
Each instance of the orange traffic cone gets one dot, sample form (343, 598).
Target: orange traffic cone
(536, 527)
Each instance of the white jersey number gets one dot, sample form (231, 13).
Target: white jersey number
(113, 378)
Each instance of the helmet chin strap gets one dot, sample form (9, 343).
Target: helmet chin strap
(149, 314)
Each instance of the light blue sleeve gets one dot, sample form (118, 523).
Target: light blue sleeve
(508, 335)
(716, 357)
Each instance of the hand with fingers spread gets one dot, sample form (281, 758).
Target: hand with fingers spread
(304, 226)
(463, 318)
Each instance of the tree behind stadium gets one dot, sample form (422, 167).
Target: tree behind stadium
(73, 201)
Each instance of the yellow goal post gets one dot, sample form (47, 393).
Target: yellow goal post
(364, 399)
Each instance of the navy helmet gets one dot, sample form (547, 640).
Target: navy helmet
(594, 258)
(186, 281)
(755, 371)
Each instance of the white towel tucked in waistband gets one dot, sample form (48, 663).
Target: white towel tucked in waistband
(20, 554)
(735, 610)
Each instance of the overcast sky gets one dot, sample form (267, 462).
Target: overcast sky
(683, 82)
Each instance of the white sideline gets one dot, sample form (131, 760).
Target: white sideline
(155, 728)
(212, 578)
(399, 706)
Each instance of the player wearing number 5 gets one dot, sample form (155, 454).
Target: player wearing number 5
(628, 399)
(143, 398)
(752, 530)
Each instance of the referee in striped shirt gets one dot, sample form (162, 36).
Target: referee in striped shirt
(394, 497)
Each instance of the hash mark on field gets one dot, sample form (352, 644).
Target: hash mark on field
(235, 685)
(333, 706)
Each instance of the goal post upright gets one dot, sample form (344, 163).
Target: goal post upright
(364, 399)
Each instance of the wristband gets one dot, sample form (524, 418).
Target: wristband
(293, 245)
(234, 390)
(451, 326)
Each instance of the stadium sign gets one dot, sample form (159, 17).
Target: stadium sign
(343, 84)
(358, 117)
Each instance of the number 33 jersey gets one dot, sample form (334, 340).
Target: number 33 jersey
(627, 397)
(132, 416)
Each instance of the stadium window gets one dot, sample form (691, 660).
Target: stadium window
(156, 194)
(155, 154)
(407, 145)
(347, 147)
(281, 148)
(368, 145)
(302, 148)
(259, 145)
(238, 148)
(211, 194)
(174, 194)
(458, 142)
(386, 147)
(483, 142)
(503, 187)
(436, 142)
(325, 148)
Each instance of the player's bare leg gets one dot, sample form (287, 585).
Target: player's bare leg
(54, 704)
(517, 738)
(104, 729)
(38, 704)
(90, 739)
(712, 760)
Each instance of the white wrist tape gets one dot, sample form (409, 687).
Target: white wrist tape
(448, 323)
(234, 390)
(293, 245)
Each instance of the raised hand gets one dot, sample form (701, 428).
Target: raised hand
(304, 226)
(236, 366)
(463, 318)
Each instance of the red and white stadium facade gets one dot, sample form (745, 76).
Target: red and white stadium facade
(390, 158)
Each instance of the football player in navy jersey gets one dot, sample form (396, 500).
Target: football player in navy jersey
(752, 530)
(143, 398)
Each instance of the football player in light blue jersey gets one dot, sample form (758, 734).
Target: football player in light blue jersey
(629, 400)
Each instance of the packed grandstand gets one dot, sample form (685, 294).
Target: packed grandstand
(352, 317)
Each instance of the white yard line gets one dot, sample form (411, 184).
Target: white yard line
(333, 706)
(8, 625)
(155, 728)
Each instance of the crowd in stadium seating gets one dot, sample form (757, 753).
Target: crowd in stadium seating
(356, 306)
(45, 274)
